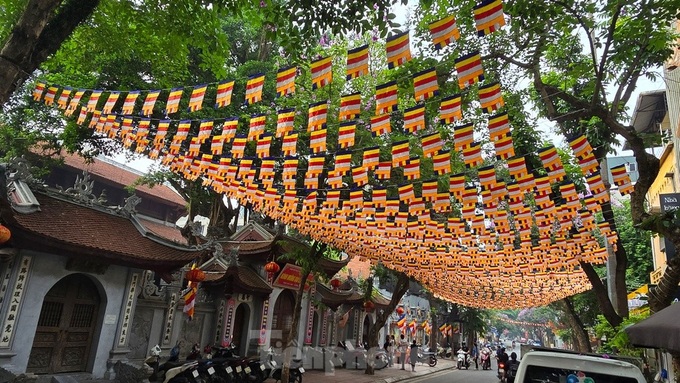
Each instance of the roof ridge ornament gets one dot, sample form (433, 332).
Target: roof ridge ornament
(130, 206)
(19, 169)
(82, 189)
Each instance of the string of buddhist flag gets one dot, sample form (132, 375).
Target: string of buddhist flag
(486, 257)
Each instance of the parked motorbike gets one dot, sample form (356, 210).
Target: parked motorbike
(486, 359)
(444, 352)
(273, 370)
(234, 368)
(427, 357)
(380, 359)
(463, 360)
(160, 370)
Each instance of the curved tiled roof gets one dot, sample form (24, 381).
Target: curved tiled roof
(109, 172)
(71, 229)
(162, 230)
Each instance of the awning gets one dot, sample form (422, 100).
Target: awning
(661, 330)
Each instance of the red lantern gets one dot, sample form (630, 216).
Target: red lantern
(5, 234)
(335, 283)
(400, 310)
(272, 268)
(195, 275)
(369, 306)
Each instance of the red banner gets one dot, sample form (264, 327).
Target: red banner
(290, 277)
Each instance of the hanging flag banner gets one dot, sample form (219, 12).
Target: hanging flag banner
(425, 84)
(469, 68)
(254, 88)
(224, 91)
(444, 32)
(350, 106)
(386, 98)
(398, 50)
(322, 73)
(357, 62)
(488, 16)
(285, 81)
(196, 99)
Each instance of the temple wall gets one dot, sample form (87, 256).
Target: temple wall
(44, 272)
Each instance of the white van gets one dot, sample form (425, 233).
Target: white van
(538, 366)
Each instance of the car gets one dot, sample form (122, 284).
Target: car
(542, 365)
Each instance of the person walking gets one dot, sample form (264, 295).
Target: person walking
(475, 355)
(390, 351)
(403, 346)
(414, 355)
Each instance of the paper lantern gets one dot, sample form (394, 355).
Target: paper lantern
(335, 283)
(400, 310)
(272, 268)
(369, 306)
(195, 275)
(5, 234)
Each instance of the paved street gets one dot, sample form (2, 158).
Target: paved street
(456, 376)
(444, 372)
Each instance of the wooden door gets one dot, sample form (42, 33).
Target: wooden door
(66, 325)
(282, 318)
(241, 323)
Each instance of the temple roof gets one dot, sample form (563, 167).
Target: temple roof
(104, 170)
(241, 277)
(62, 226)
(335, 298)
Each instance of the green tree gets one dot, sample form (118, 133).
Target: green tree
(34, 30)
(638, 245)
(475, 322)
(583, 82)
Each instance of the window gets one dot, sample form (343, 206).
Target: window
(540, 374)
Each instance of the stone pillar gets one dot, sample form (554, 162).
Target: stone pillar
(124, 323)
(309, 329)
(228, 328)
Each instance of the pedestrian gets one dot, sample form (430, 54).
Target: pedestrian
(414, 355)
(390, 351)
(403, 346)
(475, 355)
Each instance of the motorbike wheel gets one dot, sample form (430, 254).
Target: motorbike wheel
(459, 366)
(433, 361)
(295, 377)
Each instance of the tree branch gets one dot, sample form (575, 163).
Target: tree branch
(589, 33)
(599, 73)
(601, 293)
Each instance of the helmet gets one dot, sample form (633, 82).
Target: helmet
(156, 350)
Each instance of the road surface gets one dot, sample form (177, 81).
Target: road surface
(459, 376)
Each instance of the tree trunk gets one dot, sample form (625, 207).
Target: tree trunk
(581, 340)
(621, 304)
(434, 333)
(602, 296)
(380, 320)
(39, 32)
(676, 366)
(291, 342)
(663, 294)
